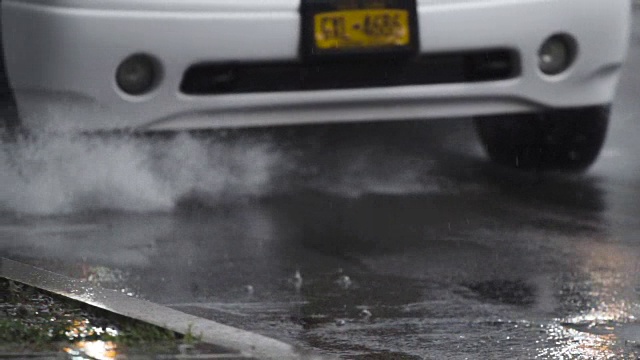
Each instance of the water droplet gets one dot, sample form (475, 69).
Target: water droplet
(365, 314)
(344, 282)
(296, 281)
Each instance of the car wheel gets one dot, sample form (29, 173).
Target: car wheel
(567, 139)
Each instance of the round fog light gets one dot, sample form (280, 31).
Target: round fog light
(137, 74)
(556, 54)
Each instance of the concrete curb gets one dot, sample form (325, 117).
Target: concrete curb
(246, 344)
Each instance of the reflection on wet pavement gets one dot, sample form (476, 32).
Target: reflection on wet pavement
(99, 350)
(527, 266)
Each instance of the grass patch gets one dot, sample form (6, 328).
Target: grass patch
(35, 320)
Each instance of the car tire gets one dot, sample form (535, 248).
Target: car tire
(567, 139)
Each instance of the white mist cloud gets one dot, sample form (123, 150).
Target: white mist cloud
(65, 175)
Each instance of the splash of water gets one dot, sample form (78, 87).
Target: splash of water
(62, 174)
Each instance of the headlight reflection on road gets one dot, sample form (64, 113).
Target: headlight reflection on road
(606, 284)
(80, 332)
(99, 350)
(567, 343)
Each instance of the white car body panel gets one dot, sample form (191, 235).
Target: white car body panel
(61, 57)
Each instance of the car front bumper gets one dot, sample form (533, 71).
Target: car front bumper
(61, 57)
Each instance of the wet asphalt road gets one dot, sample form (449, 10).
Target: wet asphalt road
(447, 256)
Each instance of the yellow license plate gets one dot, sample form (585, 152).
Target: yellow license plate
(362, 29)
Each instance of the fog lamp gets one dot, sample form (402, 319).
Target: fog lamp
(556, 54)
(137, 74)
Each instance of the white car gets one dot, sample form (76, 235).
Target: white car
(538, 75)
